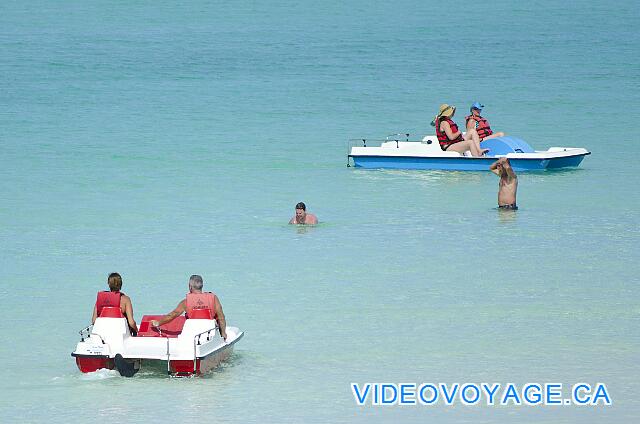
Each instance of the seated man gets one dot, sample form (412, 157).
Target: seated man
(302, 217)
(117, 299)
(450, 138)
(480, 124)
(196, 299)
(508, 185)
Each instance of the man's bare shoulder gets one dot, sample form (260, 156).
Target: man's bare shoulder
(311, 219)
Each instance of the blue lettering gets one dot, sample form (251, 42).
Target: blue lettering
(407, 397)
(532, 398)
(384, 392)
(449, 397)
(553, 397)
(512, 394)
(601, 392)
(581, 387)
(375, 394)
(433, 389)
(464, 396)
(490, 393)
(360, 398)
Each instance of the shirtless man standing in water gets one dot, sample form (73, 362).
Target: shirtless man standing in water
(508, 185)
(302, 217)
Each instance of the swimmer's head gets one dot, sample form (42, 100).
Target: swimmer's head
(301, 210)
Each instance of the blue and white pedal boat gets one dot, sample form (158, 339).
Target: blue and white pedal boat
(427, 154)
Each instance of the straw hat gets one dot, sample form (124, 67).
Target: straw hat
(445, 111)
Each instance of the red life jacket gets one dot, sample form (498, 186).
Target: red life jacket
(442, 136)
(107, 298)
(482, 126)
(201, 301)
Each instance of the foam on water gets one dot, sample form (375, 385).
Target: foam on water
(100, 374)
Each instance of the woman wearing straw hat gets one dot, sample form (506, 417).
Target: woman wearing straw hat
(450, 138)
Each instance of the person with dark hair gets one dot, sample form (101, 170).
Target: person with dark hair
(302, 217)
(197, 299)
(508, 185)
(115, 298)
(476, 122)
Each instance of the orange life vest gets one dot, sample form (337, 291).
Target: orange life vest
(107, 298)
(482, 126)
(201, 301)
(442, 136)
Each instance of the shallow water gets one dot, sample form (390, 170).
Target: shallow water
(161, 140)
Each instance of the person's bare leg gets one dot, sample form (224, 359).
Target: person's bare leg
(462, 147)
(474, 140)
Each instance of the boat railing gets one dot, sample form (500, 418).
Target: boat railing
(362, 142)
(197, 342)
(85, 332)
(398, 136)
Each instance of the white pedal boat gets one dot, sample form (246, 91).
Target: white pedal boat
(188, 346)
(427, 154)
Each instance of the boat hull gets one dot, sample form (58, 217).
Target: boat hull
(181, 368)
(183, 347)
(185, 368)
(461, 163)
(91, 363)
(427, 154)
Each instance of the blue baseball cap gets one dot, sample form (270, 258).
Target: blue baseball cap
(477, 105)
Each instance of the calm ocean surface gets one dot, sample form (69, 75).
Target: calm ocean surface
(162, 139)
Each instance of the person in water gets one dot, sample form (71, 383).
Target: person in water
(476, 122)
(450, 138)
(196, 299)
(115, 298)
(508, 185)
(302, 217)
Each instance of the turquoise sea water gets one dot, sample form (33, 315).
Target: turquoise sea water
(160, 140)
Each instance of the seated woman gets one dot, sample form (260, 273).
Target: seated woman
(115, 298)
(475, 121)
(450, 137)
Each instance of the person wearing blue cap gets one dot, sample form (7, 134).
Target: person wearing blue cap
(452, 139)
(476, 122)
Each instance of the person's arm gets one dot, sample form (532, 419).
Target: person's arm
(95, 315)
(511, 174)
(222, 323)
(446, 128)
(128, 309)
(171, 315)
(313, 220)
(494, 167)
(293, 220)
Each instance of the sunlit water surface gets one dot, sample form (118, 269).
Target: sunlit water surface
(161, 140)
